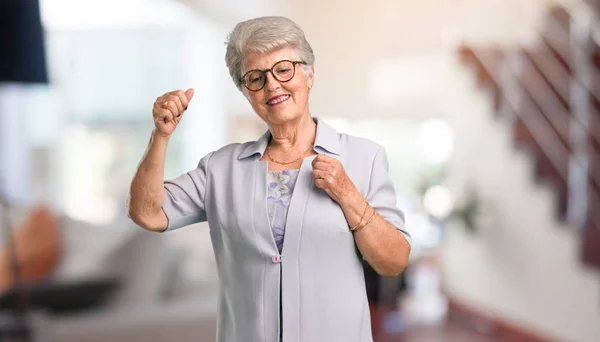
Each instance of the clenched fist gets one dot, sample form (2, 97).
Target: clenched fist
(329, 175)
(168, 110)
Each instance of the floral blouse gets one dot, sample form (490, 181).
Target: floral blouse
(281, 186)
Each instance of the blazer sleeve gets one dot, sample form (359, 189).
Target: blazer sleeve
(184, 197)
(382, 195)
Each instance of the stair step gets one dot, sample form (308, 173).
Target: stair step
(544, 83)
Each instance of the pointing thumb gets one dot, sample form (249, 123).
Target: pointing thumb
(189, 93)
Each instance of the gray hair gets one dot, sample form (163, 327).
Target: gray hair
(263, 35)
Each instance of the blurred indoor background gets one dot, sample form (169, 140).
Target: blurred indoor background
(488, 110)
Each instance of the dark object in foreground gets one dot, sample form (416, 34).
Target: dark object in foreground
(63, 298)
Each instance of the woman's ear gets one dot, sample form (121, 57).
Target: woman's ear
(311, 76)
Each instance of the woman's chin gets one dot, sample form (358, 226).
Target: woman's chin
(278, 116)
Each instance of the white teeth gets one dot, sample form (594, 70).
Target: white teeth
(279, 99)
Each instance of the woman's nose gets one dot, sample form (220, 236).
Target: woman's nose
(271, 82)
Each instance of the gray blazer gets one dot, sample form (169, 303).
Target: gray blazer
(319, 272)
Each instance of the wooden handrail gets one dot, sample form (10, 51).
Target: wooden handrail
(560, 79)
(558, 76)
(553, 109)
(556, 40)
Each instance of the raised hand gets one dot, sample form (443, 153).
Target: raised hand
(168, 110)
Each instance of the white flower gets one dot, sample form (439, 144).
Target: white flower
(278, 184)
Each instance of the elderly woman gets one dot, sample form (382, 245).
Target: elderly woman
(292, 214)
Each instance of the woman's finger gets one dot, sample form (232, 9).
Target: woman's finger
(323, 166)
(164, 115)
(321, 174)
(316, 174)
(323, 158)
(158, 112)
(183, 98)
(177, 101)
(321, 184)
(172, 107)
(178, 118)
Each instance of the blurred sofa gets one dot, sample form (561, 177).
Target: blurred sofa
(152, 300)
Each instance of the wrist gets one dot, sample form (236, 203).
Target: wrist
(353, 199)
(369, 216)
(354, 207)
(159, 137)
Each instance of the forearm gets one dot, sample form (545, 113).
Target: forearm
(146, 194)
(381, 244)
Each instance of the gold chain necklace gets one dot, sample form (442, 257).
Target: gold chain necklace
(281, 162)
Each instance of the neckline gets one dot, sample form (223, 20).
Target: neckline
(295, 170)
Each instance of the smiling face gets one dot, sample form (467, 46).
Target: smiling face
(278, 102)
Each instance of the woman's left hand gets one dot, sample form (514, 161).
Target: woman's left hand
(329, 175)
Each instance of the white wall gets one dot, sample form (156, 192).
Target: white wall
(523, 266)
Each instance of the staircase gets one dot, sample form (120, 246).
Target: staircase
(550, 91)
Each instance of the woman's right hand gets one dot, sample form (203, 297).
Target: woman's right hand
(168, 110)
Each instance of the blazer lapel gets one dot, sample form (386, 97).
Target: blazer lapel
(260, 209)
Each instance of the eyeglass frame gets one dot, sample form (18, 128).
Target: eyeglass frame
(241, 80)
